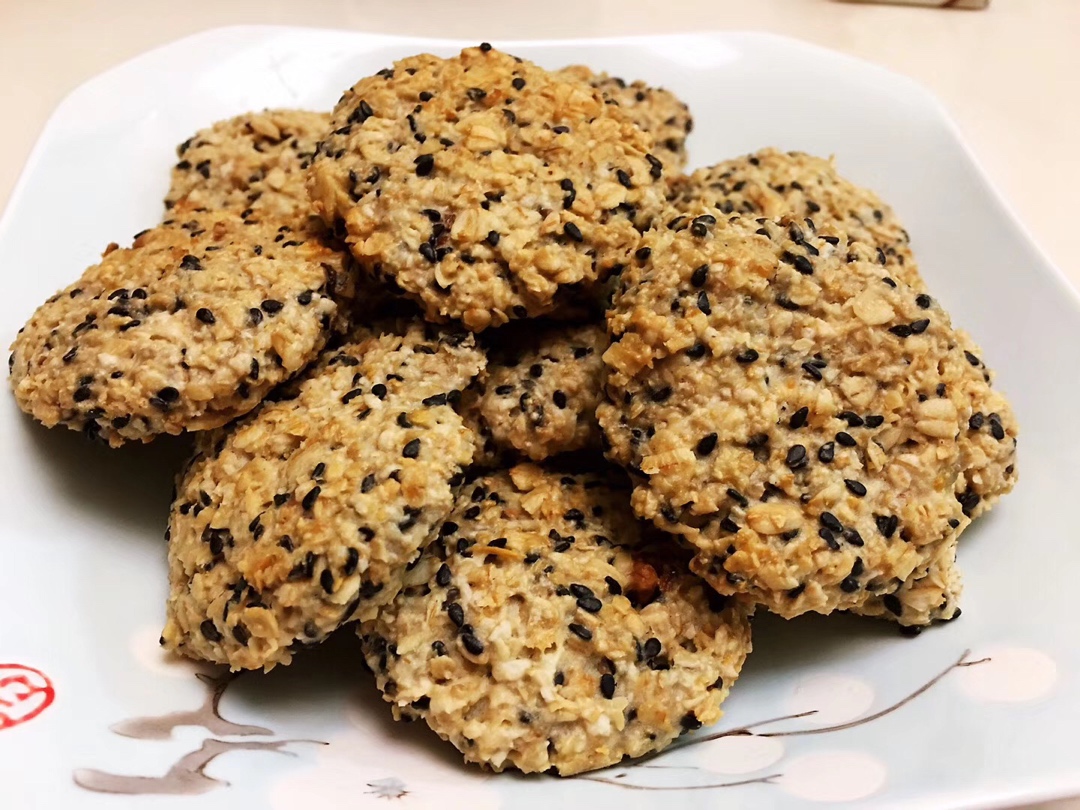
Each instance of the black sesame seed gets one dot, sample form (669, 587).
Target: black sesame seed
(738, 497)
(746, 356)
(379, 390)
(472, 644)
(425, 164)
(706, 445)
(456, 613)
(326, 579)
(83, 393)
(559, 398)
(923, 300)
(855, 488)
(845, 439)
(886, 524)
(582, 632)
(798, 419)
(849, 585)
(311, 497)
(442, 576)
(661, 395)
(802, 264)
(270, 306)
(874, 420)
(205, 315)
(812, 370)
(829, 521)
(972, 358)
(796, 457)
(573, 231)
(703, 303)
(210, 631)
(689, 722)
(901, 330)
(623, 178)
(920, 326)
(614, 588)
(729, 525)
(589, 604)
(829, 538)
(826, 453)
(893, 604)
(412, 449)
(853, 537)
(607, 685)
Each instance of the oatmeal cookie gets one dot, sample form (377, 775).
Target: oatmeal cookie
(790, 412)
(484, 185)
(544, 631)
(252, 164)
(187, 329)
(305, 515)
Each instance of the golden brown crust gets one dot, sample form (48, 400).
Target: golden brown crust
(185, 330)
(484, 185)
(514, 637)
(305, 515)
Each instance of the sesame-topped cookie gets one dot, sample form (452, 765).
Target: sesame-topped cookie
(658, 112)
(252, 164)
(305, 515)
(544, 631)
(792, 413)
(187, 329)
(485, 185)
(542, 388)
(770, 183)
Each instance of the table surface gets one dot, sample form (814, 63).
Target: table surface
(1009, 74)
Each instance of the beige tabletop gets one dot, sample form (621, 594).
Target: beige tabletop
(1009, 74)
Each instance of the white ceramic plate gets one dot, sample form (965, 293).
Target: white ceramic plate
(82, 562)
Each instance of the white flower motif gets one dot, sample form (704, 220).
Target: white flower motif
(1008, 675)
(383, 765)
(832, 698)
(833, 776)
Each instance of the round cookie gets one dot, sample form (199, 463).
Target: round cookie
(187, 329)
(304, 516)
(542, 631)
(793, 414)
(542, 388)
(484, 185)
(252, 164)
(770, 183)
(656, 111)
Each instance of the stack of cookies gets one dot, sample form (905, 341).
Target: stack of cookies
(475, 368)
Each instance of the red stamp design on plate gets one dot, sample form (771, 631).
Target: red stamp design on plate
(24, 694)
